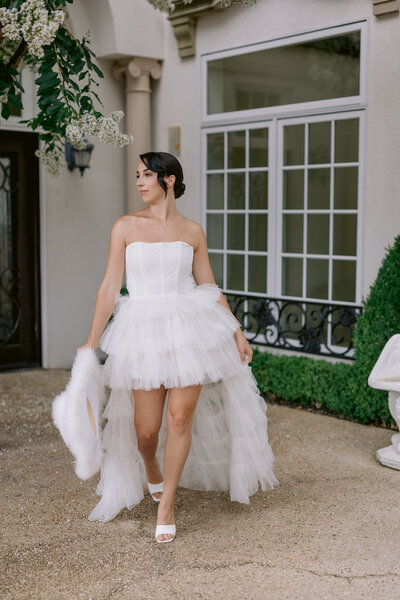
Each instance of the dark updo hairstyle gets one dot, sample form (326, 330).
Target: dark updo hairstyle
(165, 164)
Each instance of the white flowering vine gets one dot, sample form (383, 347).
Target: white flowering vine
(53, 160)
(33, 32)
(33, 22)
(103, 128)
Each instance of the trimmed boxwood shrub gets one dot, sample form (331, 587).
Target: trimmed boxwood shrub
(339, 387)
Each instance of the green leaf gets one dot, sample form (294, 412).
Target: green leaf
(97, 98)
(15, 101)
(18, 85)
(56, 107)
(47, 86)
(49, 99)
(5, 111)
(47, 77)
(74, 85)
(96, 69)
(85, 102)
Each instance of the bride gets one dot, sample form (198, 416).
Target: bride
(175, 334)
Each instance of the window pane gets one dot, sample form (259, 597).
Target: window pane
(293, 189)
(258, 147)
(345, 235)
(215, 191)
(258, 190)
(215, 231)
(319, 188)
(292, 234)
(344, 280)
(292, 276)
(313, 70)
(217, 265)
(258, 274)
(346, 140)
(258, 232)
(215, 151)
(319, 143)
(318, 234)
(236, 190)
(317, 278)
(346, 187)
(235, 268)
(236, 149)
(293, 145)
(236, 232)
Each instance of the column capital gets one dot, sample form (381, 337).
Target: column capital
(137, 71)
(137, 68)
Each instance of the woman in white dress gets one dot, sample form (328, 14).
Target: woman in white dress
(174, 334)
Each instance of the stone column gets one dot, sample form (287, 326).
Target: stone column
(137, 72)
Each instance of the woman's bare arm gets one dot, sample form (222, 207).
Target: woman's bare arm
(202, 272)
(111, 284)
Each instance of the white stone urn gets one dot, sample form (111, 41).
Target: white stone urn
(386, 376)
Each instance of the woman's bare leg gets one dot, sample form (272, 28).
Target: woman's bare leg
(149, 405)
(180, 412)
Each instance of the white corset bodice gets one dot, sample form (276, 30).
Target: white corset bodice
(159, 268)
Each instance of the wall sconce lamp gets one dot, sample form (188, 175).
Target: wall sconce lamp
(78, 159)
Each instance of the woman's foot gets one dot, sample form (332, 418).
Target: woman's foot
(165, 516)
(154, 475)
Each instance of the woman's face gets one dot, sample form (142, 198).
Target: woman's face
(147, 183)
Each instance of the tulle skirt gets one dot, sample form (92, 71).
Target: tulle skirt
(179, 340)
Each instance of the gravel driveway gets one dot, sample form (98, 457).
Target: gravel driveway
(329, 530)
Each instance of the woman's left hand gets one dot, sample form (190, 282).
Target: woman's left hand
(243, 346)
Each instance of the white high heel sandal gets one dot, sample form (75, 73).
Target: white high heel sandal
(154, 488)
(165, 529)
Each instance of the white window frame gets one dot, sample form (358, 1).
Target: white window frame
(271, 117)
(246, 211)
(287, 109)
(281, 123)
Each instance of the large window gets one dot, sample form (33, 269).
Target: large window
(282, 194)
(317, 69)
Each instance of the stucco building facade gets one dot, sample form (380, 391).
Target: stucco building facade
(285, 118)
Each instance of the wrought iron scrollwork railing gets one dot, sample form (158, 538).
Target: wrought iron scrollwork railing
(302, 326)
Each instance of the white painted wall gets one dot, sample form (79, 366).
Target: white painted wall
(119, 28)
(79, 213)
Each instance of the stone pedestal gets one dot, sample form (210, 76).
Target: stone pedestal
(390, 456)
(386, 376)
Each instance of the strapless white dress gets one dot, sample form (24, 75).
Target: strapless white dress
(173, 332)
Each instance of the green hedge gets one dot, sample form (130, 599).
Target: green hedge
(339, 387)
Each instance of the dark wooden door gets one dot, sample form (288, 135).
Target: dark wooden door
(19, 251)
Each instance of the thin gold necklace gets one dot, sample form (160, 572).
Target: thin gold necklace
(163, 227)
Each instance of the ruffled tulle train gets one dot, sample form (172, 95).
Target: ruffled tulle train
(228, 450)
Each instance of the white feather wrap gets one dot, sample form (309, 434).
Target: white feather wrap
(77, 413)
